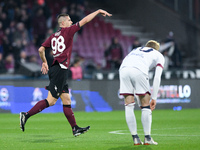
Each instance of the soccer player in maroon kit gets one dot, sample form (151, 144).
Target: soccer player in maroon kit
(61, 44)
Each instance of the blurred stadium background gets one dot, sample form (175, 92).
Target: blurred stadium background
(24, 25)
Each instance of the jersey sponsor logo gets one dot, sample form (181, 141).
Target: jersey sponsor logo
(140, 55)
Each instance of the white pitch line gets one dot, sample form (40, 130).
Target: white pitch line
(173, 135)
(127, 132)
(118, 132)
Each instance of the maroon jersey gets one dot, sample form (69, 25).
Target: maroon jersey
(61, 44)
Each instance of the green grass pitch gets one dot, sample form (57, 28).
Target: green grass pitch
(173, 130)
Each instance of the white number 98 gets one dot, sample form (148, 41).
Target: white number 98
(58, 44)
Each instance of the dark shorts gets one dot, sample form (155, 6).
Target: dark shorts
(58, 81)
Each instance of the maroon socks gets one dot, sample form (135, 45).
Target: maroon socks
(69, 115)
(39, 106)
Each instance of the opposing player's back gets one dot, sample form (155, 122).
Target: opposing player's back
(143, 58)
(134, 80)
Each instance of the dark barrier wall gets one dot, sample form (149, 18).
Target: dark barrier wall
(95, 95)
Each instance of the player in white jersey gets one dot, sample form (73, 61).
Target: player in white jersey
(134, 83)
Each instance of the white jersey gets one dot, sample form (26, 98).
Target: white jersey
(144, 59)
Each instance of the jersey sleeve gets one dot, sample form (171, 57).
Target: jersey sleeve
(160, 61)
(156, 82)
(74, 28)
(47, 43)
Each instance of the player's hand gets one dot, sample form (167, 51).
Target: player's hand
(44, 68)
(153, 104)
(104, 13)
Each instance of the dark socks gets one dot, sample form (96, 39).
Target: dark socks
(37, 108)
(69, 115)
(148, 137)
(145, 107)
(135, 136)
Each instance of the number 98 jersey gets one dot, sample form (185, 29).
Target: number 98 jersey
(61, 44)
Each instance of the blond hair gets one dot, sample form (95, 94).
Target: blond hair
(153, 44)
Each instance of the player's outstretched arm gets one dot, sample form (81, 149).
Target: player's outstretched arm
(89, 17)
(45, 67)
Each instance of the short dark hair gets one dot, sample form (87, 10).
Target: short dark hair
(59, 16)
(62, 15)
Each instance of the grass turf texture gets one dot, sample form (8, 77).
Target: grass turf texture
(171, 129)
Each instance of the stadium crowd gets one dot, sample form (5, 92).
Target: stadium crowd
(24, 25)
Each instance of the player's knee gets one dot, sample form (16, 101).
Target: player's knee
(130, 104)
(66, 101)
(129, 99)
(52, 102)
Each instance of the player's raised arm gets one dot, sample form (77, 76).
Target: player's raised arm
(89, 17)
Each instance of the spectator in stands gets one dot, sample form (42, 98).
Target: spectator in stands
(31, 53)
(2, 65)
(114, 54)
(167, 50)
(31, 15)
(73, 14)
(17, 50)
(76, 69)
(21, 39)
(176, 57)
(23, 57)
(33, 59)
(10, 31)
(39, 27)
(64, 10)
(1, 33)
(136, 43)
(26, 19)
(4, 19)
(80, 13)
(89, 68)
(9, 63)
(8, 55)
